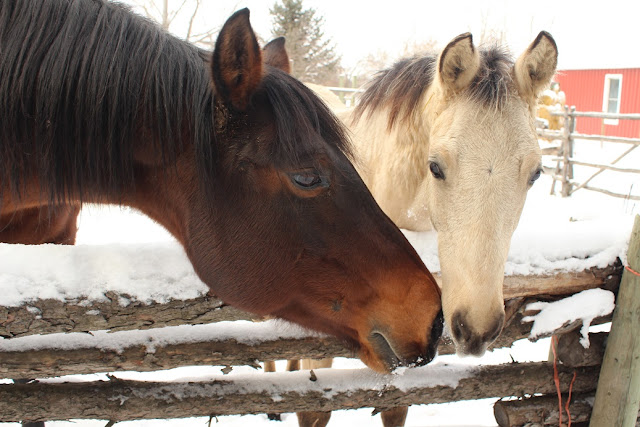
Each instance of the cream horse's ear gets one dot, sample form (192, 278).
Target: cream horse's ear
(458, 63)
(536, 66)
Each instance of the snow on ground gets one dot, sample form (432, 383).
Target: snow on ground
(122, 248)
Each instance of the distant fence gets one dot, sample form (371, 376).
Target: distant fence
(564, 154)
(349, 96)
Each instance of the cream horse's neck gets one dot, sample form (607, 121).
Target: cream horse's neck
(393, 163)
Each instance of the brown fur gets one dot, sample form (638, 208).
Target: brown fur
(274, 54)
(237, 61)
(258, 240)
(39, 225)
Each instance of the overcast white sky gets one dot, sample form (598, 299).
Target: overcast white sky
(589, 34)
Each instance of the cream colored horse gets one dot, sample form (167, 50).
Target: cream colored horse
(450, 141)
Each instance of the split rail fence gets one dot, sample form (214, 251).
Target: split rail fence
(564, 154)
(526, 390)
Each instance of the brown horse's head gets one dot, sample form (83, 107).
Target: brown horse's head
(288, 228)
(241, 162)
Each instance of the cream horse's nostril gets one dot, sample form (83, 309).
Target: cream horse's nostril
(459, 328)
(471, 341)
(493, 332)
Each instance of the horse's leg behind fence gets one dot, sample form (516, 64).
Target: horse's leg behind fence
(270, 366)
(394, 417)
(39, 225)
(311, 418)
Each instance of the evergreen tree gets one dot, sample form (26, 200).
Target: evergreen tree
(313, 57)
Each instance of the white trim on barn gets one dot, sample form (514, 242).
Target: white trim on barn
(611, 103)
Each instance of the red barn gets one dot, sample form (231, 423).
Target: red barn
(612, 90)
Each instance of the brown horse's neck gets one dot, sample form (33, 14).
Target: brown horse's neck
(159, 194)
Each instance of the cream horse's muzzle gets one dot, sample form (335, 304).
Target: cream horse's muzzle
(469, 339)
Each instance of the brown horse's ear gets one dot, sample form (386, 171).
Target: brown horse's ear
(458, 63)
(536, 66)
(237, 63)
(275, 55)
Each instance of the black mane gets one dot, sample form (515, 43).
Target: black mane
(72, 77)
(81, 79)
(401, 87)
(299, 114)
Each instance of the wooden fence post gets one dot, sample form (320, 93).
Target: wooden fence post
(618, 394)
(567, 151)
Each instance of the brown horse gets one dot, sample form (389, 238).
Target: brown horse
(243, 164)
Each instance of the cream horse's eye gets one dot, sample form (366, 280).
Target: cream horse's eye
(535, 176)
(436, 171)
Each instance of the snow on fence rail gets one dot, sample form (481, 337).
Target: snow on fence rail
(243, 343)
(565, 160)
(227, 343)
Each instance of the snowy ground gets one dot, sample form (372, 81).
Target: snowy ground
(588, 229)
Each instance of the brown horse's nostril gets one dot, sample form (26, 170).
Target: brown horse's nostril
(434, 337)
(384, 349)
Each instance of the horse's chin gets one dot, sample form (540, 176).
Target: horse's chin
(471, 350)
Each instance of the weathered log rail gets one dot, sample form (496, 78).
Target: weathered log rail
(54, 316)
(120, 400)
(50, 316)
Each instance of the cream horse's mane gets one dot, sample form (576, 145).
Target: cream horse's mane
(399, 90)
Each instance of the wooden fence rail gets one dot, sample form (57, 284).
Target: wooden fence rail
(80, 353)
(54, 316)
(120, 400)
(563, 171)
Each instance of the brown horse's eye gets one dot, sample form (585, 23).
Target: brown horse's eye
(308, 180)
(435, 171)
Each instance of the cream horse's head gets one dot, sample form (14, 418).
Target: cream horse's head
(449, 140)
(483, 157)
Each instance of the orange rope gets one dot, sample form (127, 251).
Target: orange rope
(556, 378)
(573, 380)
(630, 270)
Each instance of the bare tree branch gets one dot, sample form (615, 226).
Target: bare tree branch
(193, 16)
(175, 13)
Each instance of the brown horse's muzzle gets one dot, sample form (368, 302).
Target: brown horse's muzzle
(384, 353)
